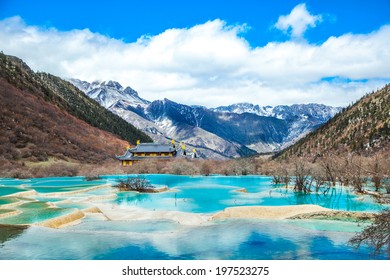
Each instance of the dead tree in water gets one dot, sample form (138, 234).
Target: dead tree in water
(330, 170)
(302, 179)
(281, 176)
(376, 169)
(356, 175)
(377, 235)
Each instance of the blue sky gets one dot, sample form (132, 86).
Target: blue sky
(208, 52)
(129, 20)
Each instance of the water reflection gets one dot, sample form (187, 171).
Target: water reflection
(241, 239)
(8, 232)
(337, 198)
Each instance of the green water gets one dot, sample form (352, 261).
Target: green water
(34, 214)
(5, 211)
(5, 201)
(10, 190)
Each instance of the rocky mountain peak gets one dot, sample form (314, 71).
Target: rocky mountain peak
(130, 91)
(112, 84)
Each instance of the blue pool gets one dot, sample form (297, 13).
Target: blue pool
(149, 236)
(209, 194)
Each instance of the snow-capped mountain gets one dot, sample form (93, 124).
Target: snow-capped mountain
(229, 131)
(241, 108)
(303, 118)
(316, 112)
(109, 93)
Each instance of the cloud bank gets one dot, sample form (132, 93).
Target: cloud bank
(211, 63)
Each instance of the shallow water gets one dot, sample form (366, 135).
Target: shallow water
(241, 239)
(4, 191)
(210, 194)
(34, 212)
(198, 194)
(4, 201)
(97, 238)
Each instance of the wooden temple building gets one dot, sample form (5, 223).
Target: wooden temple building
(153, 150)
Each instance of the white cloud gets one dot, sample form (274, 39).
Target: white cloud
(298, 21)
(210, 64)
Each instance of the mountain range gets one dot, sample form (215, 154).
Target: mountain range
(224, 132)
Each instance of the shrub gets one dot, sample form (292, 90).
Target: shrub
(205, 168)
(56, 169)
(138, 183)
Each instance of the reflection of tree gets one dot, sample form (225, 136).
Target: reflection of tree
(133, 198)
(8, 232)
(322, 247)
(327, 197)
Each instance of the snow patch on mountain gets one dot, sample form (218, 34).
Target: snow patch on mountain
(108, 93)
(317, 111)
(241, 108)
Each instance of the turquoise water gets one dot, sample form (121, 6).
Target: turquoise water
(210, 194)
(4, 201)
(97, 238)
(48, 185)
(198, 194)
(4, 191)
(34, 212)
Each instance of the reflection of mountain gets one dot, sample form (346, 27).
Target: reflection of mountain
(230, 131)
(8, 232)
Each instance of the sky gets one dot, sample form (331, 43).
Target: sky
(209, 53)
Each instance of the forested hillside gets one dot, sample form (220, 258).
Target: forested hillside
(362, 128)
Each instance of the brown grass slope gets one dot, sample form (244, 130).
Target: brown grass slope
(362, 128)
(40, 125)
(32, 129)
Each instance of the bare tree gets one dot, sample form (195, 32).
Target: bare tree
(377, 172)
(377, 235)
(320, 179)
(280, 176)
(138, 183)
(356, 175)
(276, 179)
(330, 168)
(302, 179)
